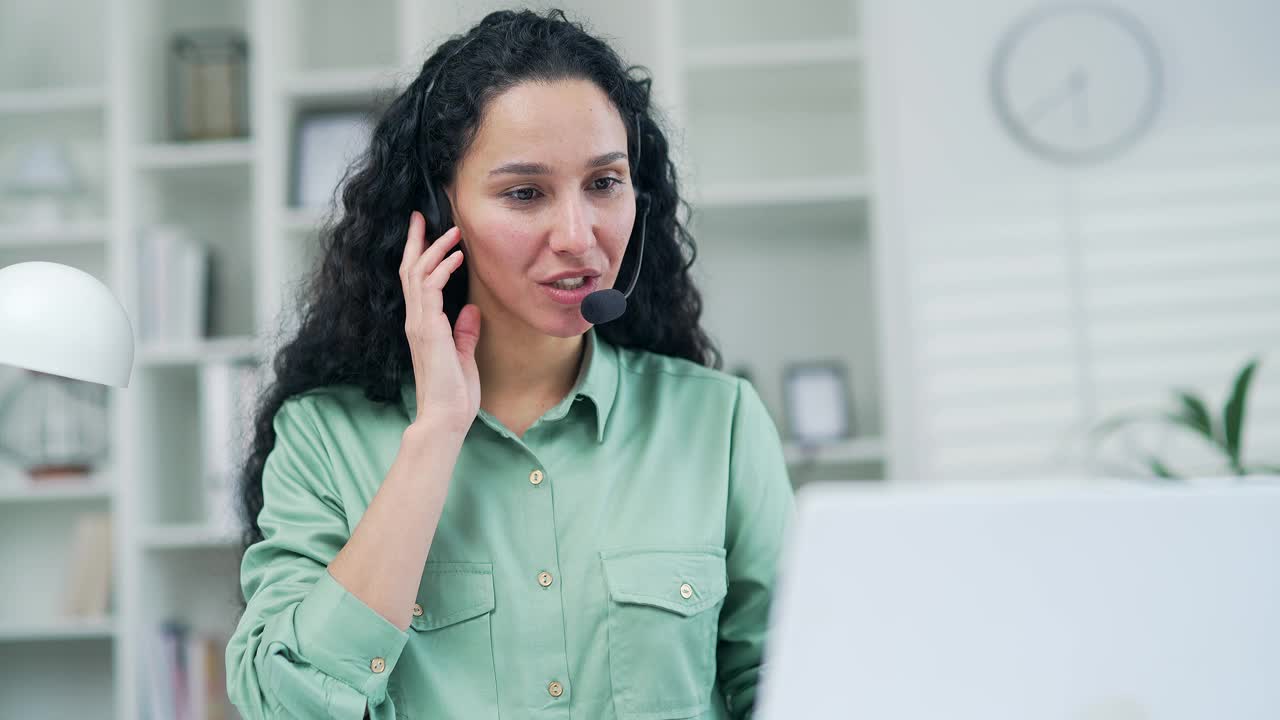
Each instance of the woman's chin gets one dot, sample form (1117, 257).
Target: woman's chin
(567, 322)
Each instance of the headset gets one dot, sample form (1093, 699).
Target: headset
(599, 307)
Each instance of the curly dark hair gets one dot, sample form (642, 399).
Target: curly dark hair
(352, 311)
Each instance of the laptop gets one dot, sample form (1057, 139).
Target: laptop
(1083, 601)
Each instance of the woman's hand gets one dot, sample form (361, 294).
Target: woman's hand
(444, 363)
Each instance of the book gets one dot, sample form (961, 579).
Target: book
(174, 274)
(186, 677)
(88, 590)
(206, 677)
(163, 671)
(228, 392)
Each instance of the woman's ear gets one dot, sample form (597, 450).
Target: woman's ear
(448, 193)
(453, 215)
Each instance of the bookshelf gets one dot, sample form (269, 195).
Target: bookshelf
(766, 111)
(772, 105)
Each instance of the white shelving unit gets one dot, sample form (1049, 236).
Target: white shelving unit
(51, 665)
(772, 107)
(766, 111)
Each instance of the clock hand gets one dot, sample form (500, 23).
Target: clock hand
(1072, 86)
(1080, 85)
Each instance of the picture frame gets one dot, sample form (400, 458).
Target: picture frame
(325, 142)
(817, 399)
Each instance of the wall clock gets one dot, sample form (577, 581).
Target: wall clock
(1076, 83)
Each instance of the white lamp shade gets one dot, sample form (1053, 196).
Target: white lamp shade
(63, 321)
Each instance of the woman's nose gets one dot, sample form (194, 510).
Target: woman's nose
(573, 233)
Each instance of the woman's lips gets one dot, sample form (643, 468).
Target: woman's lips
(572, 297)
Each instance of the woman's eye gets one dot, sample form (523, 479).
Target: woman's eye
(605, 185)
(611, 184)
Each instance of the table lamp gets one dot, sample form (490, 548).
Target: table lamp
(63, 321)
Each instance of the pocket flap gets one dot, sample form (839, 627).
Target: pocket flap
(662, 577)
(451, 592)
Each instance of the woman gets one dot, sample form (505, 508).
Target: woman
(595, 534)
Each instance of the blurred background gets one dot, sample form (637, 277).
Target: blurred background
(1000, 240)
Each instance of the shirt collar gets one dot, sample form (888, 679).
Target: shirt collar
(597, 380)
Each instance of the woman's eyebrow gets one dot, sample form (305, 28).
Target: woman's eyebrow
(529, 168)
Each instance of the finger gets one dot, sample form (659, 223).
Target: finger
(414, 243)
(432, 297)
(413, 250)
(436, 252)
(440, 275)
(466, 331)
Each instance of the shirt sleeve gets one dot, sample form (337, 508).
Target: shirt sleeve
(305, 647)
(760, 505)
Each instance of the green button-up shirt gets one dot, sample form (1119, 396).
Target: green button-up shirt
(615, 562)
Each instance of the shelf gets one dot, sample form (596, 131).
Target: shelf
(774, 55)
(198, 154)
(91, 488)
(87, 232)
(326, 34)
(161, 353)
(799, 122)
(717, 23)
(856, 450)
(51, 100)
(355, 84)
(828, 226)
(188, 536)
(782, 192)
(70, 628)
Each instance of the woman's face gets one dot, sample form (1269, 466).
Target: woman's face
(544, 189)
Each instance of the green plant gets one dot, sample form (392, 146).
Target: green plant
(1191, 413)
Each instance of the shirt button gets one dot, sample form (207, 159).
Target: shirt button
(535, 477)
(686, 591)
(556, 689)
(417, 610)
(544, 578)
(378, 665)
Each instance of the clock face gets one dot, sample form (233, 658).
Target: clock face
(1076, 84)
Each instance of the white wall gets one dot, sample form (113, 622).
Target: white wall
(1033, 299)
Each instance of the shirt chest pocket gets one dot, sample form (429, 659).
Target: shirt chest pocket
(447, 664)
(663, 619)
